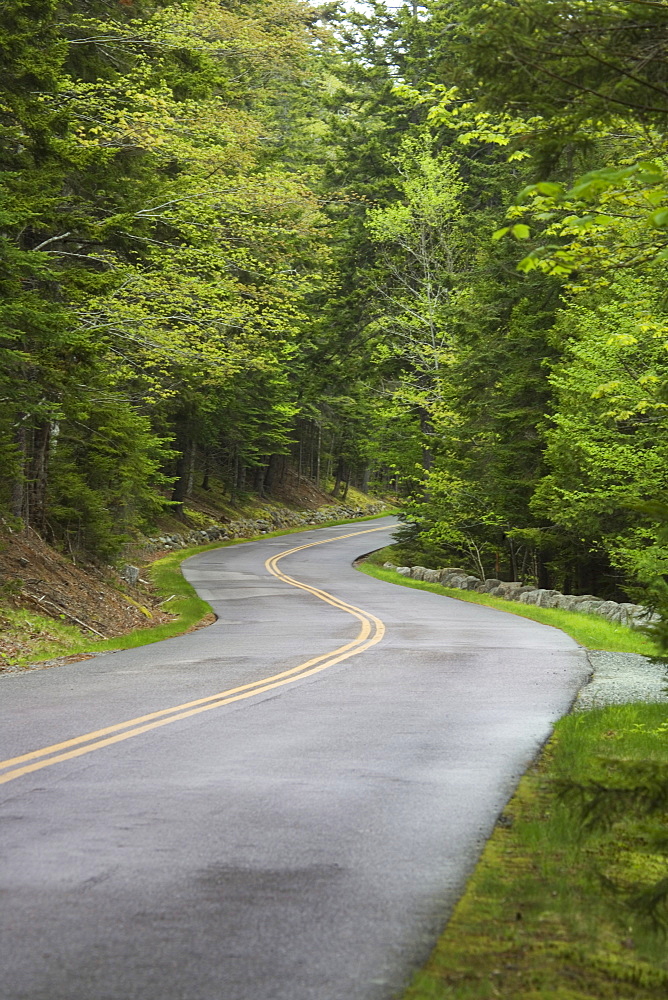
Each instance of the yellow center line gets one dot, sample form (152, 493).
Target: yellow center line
(96, 740)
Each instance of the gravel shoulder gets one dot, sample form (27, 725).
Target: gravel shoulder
(619, 678)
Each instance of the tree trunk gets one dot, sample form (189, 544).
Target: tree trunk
(427, 429)
(185, 469)
(18, 491)
(342, 480)
(38, 475)
(317, 456)
(260, 479)
(271, 472)
(206, 472)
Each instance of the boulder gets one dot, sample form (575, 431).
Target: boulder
(510, 591)
(589, 607)
(404, 570)
(130, 573)
(551, 599)
(567, 602)
(636, 614)
(470, 583)
(417, 572)
(609, 610)
(541, 598)
(431, 576)
(489, 585)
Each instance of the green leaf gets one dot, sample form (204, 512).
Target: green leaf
(659, 218)
(520, 231)
(500, 232)
(550, 189)
(529, 263)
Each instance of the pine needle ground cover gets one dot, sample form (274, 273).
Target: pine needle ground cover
(568, 901)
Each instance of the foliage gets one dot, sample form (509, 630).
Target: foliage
(235, 238)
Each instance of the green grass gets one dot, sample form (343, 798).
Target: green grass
(28, 636)
(591, 631)
(546, 914)
(169, 582)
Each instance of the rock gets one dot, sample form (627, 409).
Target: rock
(636, 614)
(470, 583)
(389, 565)
(609, 610)
(550, 599)
(130, 573)
(588, 607)
(508, 591)
(404, 570)
(489, 585)
(565, 602)
(431, 576)
(541, 598)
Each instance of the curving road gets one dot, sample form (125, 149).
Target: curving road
(283, 806)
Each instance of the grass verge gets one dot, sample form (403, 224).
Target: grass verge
(28, 636)
(548, 912)
(61, 640)
(552, 910)
(588, 630)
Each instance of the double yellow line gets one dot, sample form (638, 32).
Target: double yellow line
(371, 632)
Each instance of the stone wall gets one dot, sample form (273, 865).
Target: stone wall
(454, 576)
(273, 520)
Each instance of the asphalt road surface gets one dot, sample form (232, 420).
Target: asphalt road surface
(283, 806)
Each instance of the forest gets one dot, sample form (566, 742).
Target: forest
(420, 248)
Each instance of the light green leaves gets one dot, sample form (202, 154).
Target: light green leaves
(659, 218)
(520, 231)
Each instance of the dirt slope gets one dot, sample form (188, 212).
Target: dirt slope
(36, 577)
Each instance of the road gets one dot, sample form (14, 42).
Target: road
(177, 827)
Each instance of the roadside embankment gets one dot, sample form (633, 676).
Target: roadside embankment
(570, 897)
(569, 901)
(90, 609)
(461, 579)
